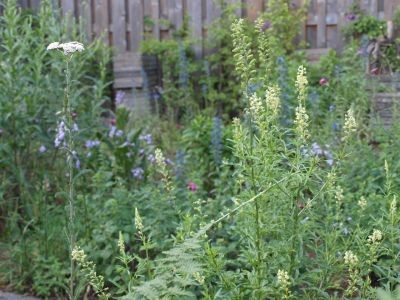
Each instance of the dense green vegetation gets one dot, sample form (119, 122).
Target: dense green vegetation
(258, 176)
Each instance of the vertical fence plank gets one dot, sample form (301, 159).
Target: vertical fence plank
(23, 3)
(331, 23)
(364, 5)
(321, 24)
(395, 4)
(388, 9)
(100, 25)
(85, 18)
(373, 8)
(118, 26)
(302, 33)
(238, 5)
(35, 4)
(342, 7)
(196, 26)
(165, 18)
(254, 8)
(213, 11)
(175, 12)
(155, 15)
(67, 7)
(135, 25)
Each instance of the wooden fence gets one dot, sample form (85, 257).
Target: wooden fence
(125, 23)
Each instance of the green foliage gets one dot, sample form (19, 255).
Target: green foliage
(285, 18)
(32, 89)
(362, 24)
(297, 198)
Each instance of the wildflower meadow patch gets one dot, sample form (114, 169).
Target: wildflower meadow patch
(257, 176)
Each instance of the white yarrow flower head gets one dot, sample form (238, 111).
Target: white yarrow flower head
(68, 48)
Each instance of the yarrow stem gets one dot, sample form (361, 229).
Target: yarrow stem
(68, 128)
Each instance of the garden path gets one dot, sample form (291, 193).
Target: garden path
(11, 296)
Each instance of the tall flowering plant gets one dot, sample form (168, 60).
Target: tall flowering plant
(65, 140)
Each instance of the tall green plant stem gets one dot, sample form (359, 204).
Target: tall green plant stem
(70, 160)
(254, 189)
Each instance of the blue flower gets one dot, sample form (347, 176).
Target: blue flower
(60, 134)
(42, 149)
(119, 133)
(137, 173)
(113, 129)
(266, 25)
(336, 126)
(92, 143)
(119, 97)
(147, 138)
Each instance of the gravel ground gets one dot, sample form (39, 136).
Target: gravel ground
(11, 296)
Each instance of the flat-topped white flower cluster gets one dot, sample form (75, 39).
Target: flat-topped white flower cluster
(68, 48)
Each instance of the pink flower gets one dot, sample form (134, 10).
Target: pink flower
(323, 81)
(192, 186)
(375, 71)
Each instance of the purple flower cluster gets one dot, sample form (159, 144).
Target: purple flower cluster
(341, 227)
(266, 25)
(42, 149)
(119, 98)
(169, 162)
(127, 144)
(137, 173)
(316, 150)
(151, 158)
(75, 127)
(115, 132)
(60, 136)
(351, 16)
(77, 161)
(92, 143)
(147, 138)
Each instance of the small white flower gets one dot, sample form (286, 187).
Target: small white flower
(283, 278)
(68, 48)
(53, 46)
(362, 202)
(350, 258)
(375, 237)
